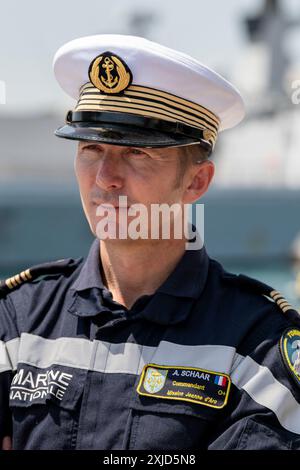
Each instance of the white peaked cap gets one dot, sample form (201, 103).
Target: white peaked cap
(162, 84)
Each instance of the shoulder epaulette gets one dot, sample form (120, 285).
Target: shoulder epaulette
(261, 288)
(55, 267)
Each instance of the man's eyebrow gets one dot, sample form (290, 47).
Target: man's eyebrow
(158, 151)
(88, 142)
(83, 144)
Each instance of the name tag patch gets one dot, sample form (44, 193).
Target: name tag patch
(190, 384)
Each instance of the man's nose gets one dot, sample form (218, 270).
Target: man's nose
(109, 173)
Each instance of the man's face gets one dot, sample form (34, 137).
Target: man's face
(145, 176)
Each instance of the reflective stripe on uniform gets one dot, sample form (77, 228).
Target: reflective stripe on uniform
(9, 354)
(130, 358)
(101, 356)
(261, 385)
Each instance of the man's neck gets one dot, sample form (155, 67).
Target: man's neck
(138, 269)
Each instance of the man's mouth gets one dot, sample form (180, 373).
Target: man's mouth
(110, 206)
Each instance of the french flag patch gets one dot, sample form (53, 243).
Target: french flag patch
(220, 380)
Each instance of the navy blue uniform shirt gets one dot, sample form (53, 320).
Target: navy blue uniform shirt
(196, 365)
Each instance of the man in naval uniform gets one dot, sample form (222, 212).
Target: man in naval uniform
(145, 344)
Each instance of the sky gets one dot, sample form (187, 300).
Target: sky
(211, 31)
(32, 31)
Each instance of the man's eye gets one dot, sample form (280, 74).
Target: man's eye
(93, 147)
(138, 152)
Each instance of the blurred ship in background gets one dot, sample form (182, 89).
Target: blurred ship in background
(257, 190)
(251, 212)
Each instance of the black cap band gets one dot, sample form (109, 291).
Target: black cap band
(173, 128)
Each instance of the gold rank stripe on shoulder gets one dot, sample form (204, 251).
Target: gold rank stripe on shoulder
(281, 301)
(53, 267)
(18, 279)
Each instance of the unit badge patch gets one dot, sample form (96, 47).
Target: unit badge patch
(290, 351)
(189, 384)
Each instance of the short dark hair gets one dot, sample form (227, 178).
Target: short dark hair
(194, 154)
(190, 155)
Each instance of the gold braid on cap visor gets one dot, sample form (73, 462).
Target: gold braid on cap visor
(148, 102)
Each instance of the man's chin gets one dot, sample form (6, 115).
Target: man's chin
(128, 242)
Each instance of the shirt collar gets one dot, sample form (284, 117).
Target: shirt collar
(175, 298)
(189, 276)
(176, 294)
(90, 275)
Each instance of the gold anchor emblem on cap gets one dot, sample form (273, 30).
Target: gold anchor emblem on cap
(109, 73)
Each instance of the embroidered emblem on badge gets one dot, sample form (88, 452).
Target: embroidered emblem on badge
(154, 380)
(290, 351)
(110, 74)
(188, 384)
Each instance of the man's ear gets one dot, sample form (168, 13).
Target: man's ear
(200, 178)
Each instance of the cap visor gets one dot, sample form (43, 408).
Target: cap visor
(117, 134)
